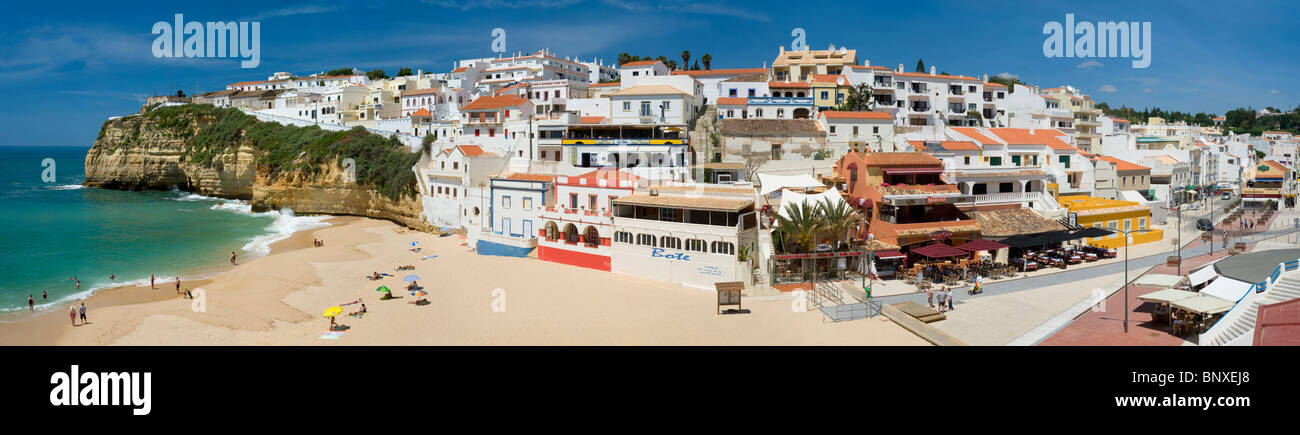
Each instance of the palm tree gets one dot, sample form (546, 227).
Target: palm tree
(686, 58)
(838, 218)
(707, 59)
(800, 226)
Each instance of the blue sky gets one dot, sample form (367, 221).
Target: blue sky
(67, 66)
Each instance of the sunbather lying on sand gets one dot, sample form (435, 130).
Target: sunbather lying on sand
(359, 312)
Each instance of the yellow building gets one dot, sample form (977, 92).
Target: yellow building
(1113, 215)
(829, 90)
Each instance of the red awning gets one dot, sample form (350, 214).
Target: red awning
(939, 250)
(889, 255)
(981, 245)
(892, 171)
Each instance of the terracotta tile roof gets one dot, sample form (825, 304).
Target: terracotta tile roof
(1120, 120)
(461, 69)
(421, 112)
(1025, 136)
(829, 78)
(1123, 165)
(591, 120)
(787, 84)
(470, 150)
(495, 102)
(949, 145)
(976, 134)
(507, 88)
(732, 101)
(994, 85)
(640, 63)
(530, 177)
(601, 85)
(856, 115)
(900, 159)
(720, 72)
(1010, 222)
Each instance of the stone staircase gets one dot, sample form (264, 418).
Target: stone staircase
(1243, 323)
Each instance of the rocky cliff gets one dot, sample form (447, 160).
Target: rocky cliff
(142, 152)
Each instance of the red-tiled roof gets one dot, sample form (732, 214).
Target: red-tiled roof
(896, 159)
(461, 69)
(1025, 136)
(470, 150)
(787, 84)
(732, 101)
(994, 85)
(421, 112)
(601, 85)
(1123, 165)
(832, 114)
(495, 102)
(975, 134)
(425, 91)
(950, 145)
(591, 120)
(507, 88)
(641, 63)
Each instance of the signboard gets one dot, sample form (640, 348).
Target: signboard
(929, 200)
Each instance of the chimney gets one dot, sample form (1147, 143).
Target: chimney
(986, 78)
(900, 67)
(780, 50)
(866, 62)
(931, 69)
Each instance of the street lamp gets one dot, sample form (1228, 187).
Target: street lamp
(1126, 236)
(1179, 229)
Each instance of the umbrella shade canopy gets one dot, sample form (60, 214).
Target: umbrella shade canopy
(415, 243)
(419, 293)
(1158, 280)
(383, 289)
(1023, 241)
(889, 255)
(939, 250)
(1203, 304)
(981, 245)
(332, 311)
(411, 278)
(1167, 295)
(1056, 236)
(1092, 232)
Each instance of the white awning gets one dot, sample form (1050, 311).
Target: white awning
(772, 183)
(1227, 289)
(1204, 304)
(794, 198)
(1201, 276)
(1167, 295)
(1158, 280)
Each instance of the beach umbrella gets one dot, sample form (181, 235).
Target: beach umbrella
(332, 311)
(411, 278)
(419, 293)
(414, 244)
(383, 289)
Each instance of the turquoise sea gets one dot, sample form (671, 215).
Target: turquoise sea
(53, 231)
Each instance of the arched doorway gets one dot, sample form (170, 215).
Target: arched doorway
(591, 237)
(570, 233)
(800, 113)
(552, 231)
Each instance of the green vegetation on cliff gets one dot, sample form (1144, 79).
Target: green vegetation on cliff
(382, 164)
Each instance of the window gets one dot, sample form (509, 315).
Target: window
(591, 202)
(966, 160)
(995, 161)
(670, 242)
(1142, 223)
(832, 129)
(627, 106)
(875, 130)
(1065, 161)
(696, 245)
(528, 203)
(1004, 187)
(645, 240)
(623, 237)
(668, 105)
(723, 248)
(732, 92)
(645, 108)
(573, 200)
(855, 131)
(505, 202)
(825, 95)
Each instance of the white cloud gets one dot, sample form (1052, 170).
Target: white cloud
(130, 96)
(1107, 89)
(1008, 76)
(1273, 91)
(1089, 64)
(296, 10)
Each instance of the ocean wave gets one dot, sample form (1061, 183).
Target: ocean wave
(285, 224)
(67, 187)
(195, 197)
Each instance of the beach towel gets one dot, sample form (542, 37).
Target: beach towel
(428, 257)
(332, 335)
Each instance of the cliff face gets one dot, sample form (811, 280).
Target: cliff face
(136, 153)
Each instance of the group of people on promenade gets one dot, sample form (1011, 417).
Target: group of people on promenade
(944, 296)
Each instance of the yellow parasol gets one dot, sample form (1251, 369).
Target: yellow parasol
(332, 311)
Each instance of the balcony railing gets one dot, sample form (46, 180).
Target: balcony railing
(1040, 200)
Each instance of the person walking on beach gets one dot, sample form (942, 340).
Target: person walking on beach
(31, 303)
(151, 284)
(83, 313)
(178, 285)
(72, 314)
(232, 258)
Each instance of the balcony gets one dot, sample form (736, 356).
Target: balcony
(920, 107)
(784, 101)
(885, 83)
(919, 89)
(1040, 200)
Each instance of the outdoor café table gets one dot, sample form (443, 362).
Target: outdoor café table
(1090, 256)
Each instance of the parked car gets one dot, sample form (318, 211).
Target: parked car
(1227, 196)
(1204, 224)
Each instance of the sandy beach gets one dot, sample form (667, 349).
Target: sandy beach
(474, 300)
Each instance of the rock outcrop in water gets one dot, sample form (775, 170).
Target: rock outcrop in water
(142, 152)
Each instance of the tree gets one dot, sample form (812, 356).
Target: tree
(180, 93)
(838, 218)
(1009, 82)
(975, 114)
(800, 226)
(376, 75)
(696, 66)
(859, 99)
(426, 144)
(707, 60)
(624, 58)
(686, 58)
(920, 66)
(339, 72)
(404, 72)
